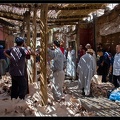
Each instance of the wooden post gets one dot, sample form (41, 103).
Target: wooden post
(43, 53)
(23, 26)
(78, 37)
(94, 24)
(28, 28)
(29, 69)
(34, 42)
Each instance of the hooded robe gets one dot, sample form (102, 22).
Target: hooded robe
(86, 69)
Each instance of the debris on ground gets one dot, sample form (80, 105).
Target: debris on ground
(74, 103)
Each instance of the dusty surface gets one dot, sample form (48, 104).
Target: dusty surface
(73, 105)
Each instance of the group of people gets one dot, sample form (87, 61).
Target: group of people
(108, 65)
(89, 63)
(104, 64)
(64, 62)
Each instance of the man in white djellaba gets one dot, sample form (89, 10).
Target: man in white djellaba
(88, 46)
(58, 71)
(71, 63)
(86, 69)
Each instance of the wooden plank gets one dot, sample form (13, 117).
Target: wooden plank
(99, 105)
(78, 38)
(43, 51)
(28, 28)
(34, 41)
(76, 7)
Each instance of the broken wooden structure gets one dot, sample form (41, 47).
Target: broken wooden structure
(35, 21)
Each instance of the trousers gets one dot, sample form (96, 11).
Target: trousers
(19, 87)
(57, 84)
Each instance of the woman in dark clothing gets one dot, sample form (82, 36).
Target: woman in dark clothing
(99, 61)
(104, 64)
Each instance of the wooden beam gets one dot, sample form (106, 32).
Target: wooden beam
(11, 16)
(21, 18)
(14, 16)
(75, 7)
(34, 45)
(28, 29)
(6, 23)
(74, 16)
(61, 24)
(51, 7)
(63, 21)
(78, 37)
(43, 52)
(23, 27)
(21, 5)
(17, 17)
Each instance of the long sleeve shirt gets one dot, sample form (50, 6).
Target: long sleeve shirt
(58, 59)
(116, 65)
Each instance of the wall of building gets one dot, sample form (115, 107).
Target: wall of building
(1, 33)
(7, 37)
(108, 30)
(86, 34)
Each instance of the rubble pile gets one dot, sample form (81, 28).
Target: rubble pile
(102, 107)
(74, 103)
(32, 106)
(99, 88)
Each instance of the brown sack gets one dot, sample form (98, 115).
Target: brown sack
(99, 88)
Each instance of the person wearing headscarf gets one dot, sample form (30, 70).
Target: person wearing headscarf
(86, 69)
(88, 46)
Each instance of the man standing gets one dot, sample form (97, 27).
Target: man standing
(116, 67)
(17, 56)
(58, 73)
(86, 69)
(71, 63)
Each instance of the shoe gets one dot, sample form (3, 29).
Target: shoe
(88, 96)
(83, 93)
(62, 98)
(58, 100)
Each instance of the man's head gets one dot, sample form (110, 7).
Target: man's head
(100, 52)
(71, 47)
(88, 46)
(90, 51)
(118, 48)
(19, 41)
(80, 47)
(62, 43)
(56, 43)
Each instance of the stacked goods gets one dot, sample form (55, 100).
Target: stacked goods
(99, 89)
